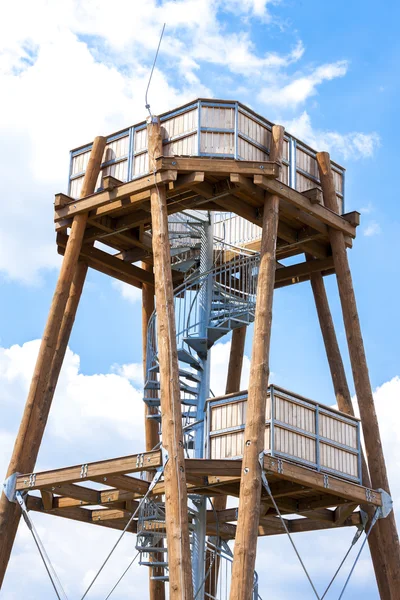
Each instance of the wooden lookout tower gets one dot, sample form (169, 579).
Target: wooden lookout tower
(207, 209)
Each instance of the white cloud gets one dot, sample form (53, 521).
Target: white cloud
(301, 88)
(219, 368)
(373, 228)
(83, 70)
(354, 145)
(129, 292)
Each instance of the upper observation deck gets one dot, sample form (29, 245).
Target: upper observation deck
(207, 128)
(214, 157)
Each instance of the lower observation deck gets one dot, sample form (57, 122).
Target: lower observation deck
(319, 500)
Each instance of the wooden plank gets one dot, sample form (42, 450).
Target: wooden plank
(78, 514)
(123, 482)
(352, 217)
(61, 200)
(303, 269)
(316, 480)
(110, 183)
(136, 201)
(99, 257)
(126, 464)
(314, 194)
(112, 514)
(247, 190)
(323, 213)
(78, 492)
(126, 192)
(217, 166)
(307, 525)
(343, 512)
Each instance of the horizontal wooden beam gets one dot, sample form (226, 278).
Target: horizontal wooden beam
(123, 482)
(319, 211)
(306, 525)
(82, 515)
(218, 166)
(303, 269)
(99, 257)
(126, 192)
(126, 464)
(320, 481)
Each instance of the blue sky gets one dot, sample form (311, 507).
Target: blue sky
(70, 70)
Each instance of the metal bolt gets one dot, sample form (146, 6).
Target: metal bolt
(104, 478)
(173, 162)
(261, 166)
(246, 470)
(248, 443)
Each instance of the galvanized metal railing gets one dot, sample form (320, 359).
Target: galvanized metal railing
(221, 558)
(234, 229)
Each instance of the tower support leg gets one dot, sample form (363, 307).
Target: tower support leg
(151, 427)
(345, 404)
(373, 445)
(180, 574)
(49, 360)
(232, 385)
(244, 559)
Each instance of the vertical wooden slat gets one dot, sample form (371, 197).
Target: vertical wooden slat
(48, 364)
(250, 486)
(376, 461)
(180, 575)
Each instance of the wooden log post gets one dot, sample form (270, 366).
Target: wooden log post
(244, 558)
(372, 439)
(152, 436)
(232, 385)
(344, 402)
(151, 427)
(48, 364)
(180, 573)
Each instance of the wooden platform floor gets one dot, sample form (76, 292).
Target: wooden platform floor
(309, 500)
(119, 215)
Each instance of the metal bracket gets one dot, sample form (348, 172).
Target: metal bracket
(84, 470)
(139, 461)
(387, 504)
(364, 519)
(9, 487)
(326, 481)
(368, 494)
(280, 466)
(164, 456)
(156, 478)
(21, 501)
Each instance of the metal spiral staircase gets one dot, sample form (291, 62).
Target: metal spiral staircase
(215, 297)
